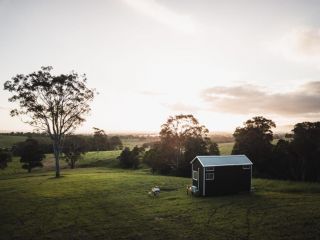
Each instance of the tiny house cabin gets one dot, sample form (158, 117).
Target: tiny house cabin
(218, 175)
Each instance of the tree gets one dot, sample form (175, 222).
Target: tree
(254, 140)
(195, 146)
(115, 143)
(158, 157)
(5, 157)
(306, 147)
(54, 104)
(283, 164)
(177, 130)
(31, 154)
(181, 139)
(100, 140)
(131, 159)
(73, 148)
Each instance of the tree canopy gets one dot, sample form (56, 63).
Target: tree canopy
(56, 104)
(306, 148)
(254, 139)
(131, 158)
(31, 154)
(100, 140)
(182, 137)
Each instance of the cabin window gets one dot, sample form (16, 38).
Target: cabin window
(246, 167)
(210, 176)
(210, 169)
(195, 175)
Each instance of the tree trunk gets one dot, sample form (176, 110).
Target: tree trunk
(72, 164)
(56, 156)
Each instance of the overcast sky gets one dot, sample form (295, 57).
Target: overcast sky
(223, 61)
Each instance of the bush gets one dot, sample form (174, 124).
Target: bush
(131, 159)
(5, 157)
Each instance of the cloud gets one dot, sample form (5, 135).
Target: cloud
(164, 15)
(182, 107)
(251, 99)
(300, 44)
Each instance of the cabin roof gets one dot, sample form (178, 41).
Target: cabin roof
(226, 160)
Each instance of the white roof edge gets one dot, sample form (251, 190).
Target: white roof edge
(221, 156)
(198, 159)
(234, 155)
(229, 165)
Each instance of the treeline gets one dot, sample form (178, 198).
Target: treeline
(27, 134)
(297, 158)
(99, 141)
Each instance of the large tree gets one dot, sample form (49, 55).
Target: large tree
(56, 104)
(254, 139)
(306, 148)
(100, 141)
(182, 138)
(177, 130)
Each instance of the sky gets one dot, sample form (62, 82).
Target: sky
(222, 61)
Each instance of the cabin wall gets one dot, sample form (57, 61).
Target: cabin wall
(229, 179)
(197, 166)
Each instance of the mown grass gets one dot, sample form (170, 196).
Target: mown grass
(98, 200)
(110, 203)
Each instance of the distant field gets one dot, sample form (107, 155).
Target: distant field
(225, 148)
(7, 141)
(110, 203)
(131, 143)
(90, 159)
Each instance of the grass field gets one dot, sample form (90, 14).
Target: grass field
(106, 159)
(102, 201)
(225, 148)
(7, 141)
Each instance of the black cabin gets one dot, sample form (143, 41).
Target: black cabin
(218, 175)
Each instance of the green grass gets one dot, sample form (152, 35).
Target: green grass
(225, 148)
(98, 200)
(113, 204)
(105, 202)
(6, 141)
(131, 143)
